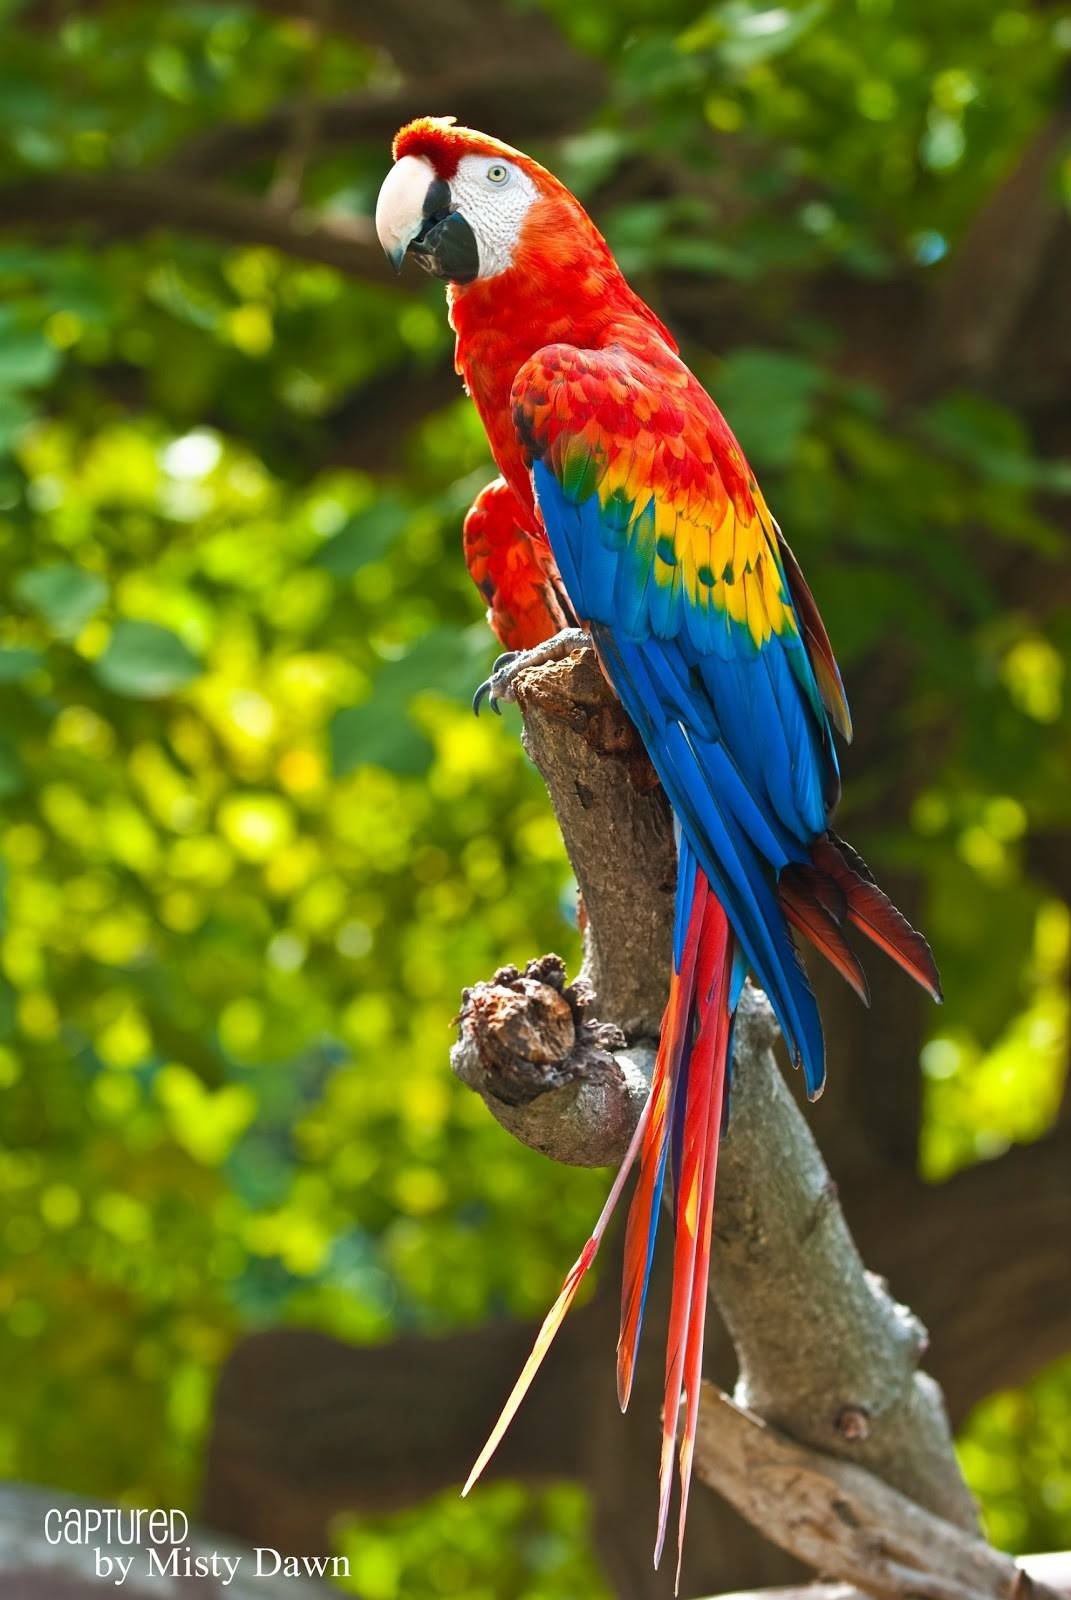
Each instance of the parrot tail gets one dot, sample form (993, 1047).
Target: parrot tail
(688, 1102)
(556, 1315)
(679, 1128)
(837, 886)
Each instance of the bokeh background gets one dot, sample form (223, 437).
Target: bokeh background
(253, 844)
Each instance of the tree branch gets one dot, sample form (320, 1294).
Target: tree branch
(503, 93)
(843, 1521)
(1001, 1231)
(1053, 1569)
(123, 204)
(293, 1408)
(305, 1426)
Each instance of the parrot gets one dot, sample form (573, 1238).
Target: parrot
(627, 520)
(513, 570)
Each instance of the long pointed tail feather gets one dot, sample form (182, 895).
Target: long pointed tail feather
(645, 1209)
(700, 1116)
(869, 909)
(836, 886)
(556, 1315)
(684, 1130)
(804, 905)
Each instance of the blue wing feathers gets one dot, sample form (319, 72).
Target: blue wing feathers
(727, 726)
(739, 875)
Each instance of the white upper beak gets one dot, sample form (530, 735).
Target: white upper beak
(400, 207)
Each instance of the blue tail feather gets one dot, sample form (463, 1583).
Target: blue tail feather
(740, 874)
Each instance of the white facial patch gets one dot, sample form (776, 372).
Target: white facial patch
(493, 196)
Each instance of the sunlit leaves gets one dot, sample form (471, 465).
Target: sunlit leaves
(438, 1554)
(745, 33)
(364, 537)
(444, 662)
(1014, 1457)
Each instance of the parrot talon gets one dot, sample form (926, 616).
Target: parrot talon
(499, 686)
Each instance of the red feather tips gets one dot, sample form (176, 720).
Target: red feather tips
(643, 1212)
(805, 903)
(687, 1093)
(871, 911)
(694, 1207)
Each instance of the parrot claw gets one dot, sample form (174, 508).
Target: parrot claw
(499, 686)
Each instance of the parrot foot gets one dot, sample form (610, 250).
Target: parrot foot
(499, 686)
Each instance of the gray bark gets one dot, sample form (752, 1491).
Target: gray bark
(845, 1522)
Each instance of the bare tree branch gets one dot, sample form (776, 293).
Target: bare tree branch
(1001, 1231)
(121, 204)
(306, 1426)
(504, 94)
(1053, 1569)
(845, 1522)
(423, 39)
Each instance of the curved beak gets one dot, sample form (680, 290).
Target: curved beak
(414, 214)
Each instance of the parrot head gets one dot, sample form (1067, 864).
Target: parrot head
(464, 205)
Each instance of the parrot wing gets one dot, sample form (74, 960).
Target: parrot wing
(703, 624)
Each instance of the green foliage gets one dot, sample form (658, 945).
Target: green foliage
(442, 1549)
(253, 842)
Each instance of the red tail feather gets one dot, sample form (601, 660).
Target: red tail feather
(805, 904)
(873, 913)
(713, 1024)
(642, 1215)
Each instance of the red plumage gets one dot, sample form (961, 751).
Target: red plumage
(512, 570)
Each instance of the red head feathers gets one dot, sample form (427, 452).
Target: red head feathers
(442, 142)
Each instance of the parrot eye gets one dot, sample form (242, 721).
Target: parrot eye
(498, 173)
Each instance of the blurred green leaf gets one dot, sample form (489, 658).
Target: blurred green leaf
(11, 773)
(15, 413)
(748, 32)
(27, 360)
(145, 661)
(770, 396)
(371, 733)
(65, 596)
(17, 663)
(365, 537)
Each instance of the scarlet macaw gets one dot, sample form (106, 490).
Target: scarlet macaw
(626, 502)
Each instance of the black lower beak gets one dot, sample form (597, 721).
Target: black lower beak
(446, 247)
